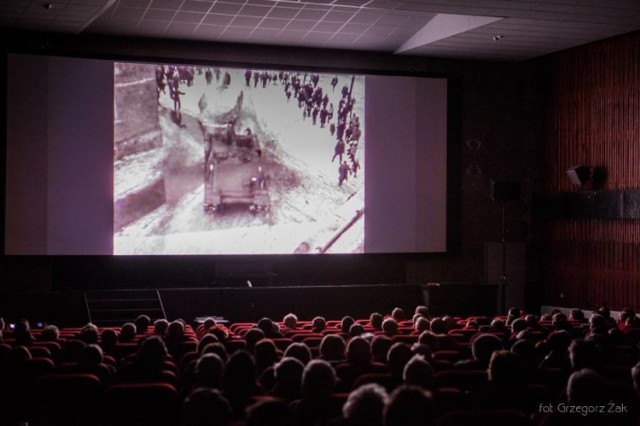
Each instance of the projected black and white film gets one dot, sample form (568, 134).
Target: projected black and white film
(214, 160)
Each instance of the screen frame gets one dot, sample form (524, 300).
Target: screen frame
(453, 148)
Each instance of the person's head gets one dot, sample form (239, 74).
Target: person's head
(512, 314)
(625, 313)
(346, 323)
(332, 347)
(266, 354)
(318, 380)
(22, 325)
(604, 311)
(318, 323)
(526, 350)
(497, 324)
(90, 355)
(216, 348)
(420, 349)
(507, 369)
(356, 330)
(205, 340)
(50, 333)
(290, 321)
(410, 406)
(558, 320)
(289, 371)
(220, 332)
(209, 370)
(398, 314)
(299, 351)
(240, 372)
(586, 387)
(160, 327)
(127, 332)
(635, 376)
(89, 334)
(531, 320)
(152, 352)
(358, 351)
(380, 345)
(390, 327)
(270, 412)
(205, 407)
(449, 323)
(375, 319)
(483, 346)
(398, 357)
(253, 336)
(266, 325)
(208, 323)
(585, 354)
(438, 326)
(175, 331)
(365, 405)
(421, 324)
(576, 315)
(518, 325)
(419, 372)
(142, 323)
(430, 339)
(422, 310)
(598, 323)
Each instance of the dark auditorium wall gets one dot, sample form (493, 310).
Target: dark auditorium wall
(491, 136)
(590, 115)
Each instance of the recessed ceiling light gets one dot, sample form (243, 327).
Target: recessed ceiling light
(47, 5)
(498, 37)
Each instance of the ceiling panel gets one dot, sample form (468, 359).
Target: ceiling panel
(530, 28)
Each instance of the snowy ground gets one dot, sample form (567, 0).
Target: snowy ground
(308, 208)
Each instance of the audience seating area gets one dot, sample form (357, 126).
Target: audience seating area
(515, 369)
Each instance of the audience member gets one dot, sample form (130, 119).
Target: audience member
(346, 323)
(418, 372)
(299, 351)
(290, 322)
(288, 380)
(365, 406)
(270, 412)
(482, 347)
(206, 407)
(332, 348)
(398, 314)
(239, 381)
(410, 406)
(142, 323)
(390, 327)
(375, 319)
(317, 405)
(318, 324)
(160, 327)
(127, 333)
(50, 333)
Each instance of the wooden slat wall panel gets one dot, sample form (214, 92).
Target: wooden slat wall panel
(593, 118)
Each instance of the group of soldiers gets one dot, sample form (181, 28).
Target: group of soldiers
(305, 89)
(315, 104)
